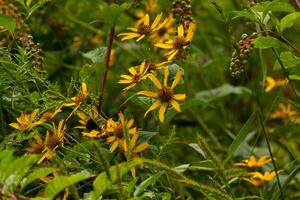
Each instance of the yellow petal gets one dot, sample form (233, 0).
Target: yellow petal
(130, 36)
(175, 105)
(110, 139)
(177, 79)
(152, 107)
(141, 37)
(113, 146)
(190, 32)
(130, 123)
(14, 125)
(124, 81)
(129, 87)
(179, 97)
(164, 45)
(156, 21)
(146, 20)
(162, 110)
(148, 93)
(155, 81)
(166, 75)
(160, 25)
(126, 77)
(84, 87)
(121, 118)
(132, 70)
(171, 56)
(133, 141)
(180, 30)
(141, 147)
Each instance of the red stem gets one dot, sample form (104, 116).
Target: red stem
(297, 4)
(107, 59)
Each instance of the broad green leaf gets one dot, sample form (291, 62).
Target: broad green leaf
(59, 183)
(274, 6)
(240, 137)
(103, 182)
(288, 60)
(265, 42)
(97, 55)
(245, 14)
(36, 174)
(146, 183)
(224, 90)
(14, 173)
(7, 22)
(112, 12)
(288, 21)
(294, 77)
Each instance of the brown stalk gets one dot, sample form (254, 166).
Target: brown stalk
(107, 59)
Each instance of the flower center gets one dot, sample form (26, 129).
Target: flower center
(179, 42)
(91, 125)
(47, 116)
(80, 97)
(162, 31)
(144, 29)
(165, 94)
(119, 132)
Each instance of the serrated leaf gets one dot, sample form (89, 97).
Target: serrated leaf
(288, 21)
(103, 182)
(240, 137)
(36, 174)
(97, 55)
(265, 42)
(59, 183)
(146, 183)
(288, 60)
(7, 22)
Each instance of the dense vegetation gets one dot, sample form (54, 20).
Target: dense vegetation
(149, 99)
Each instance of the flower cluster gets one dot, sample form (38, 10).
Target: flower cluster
(257, 178)
(159, 31)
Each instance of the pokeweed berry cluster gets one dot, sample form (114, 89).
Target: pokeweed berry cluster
(181, 11)
(240, 55)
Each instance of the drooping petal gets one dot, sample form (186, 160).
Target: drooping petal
(133, 141)
(155, 81)
(113, 146)
(130, 123)
(177, 79)
(175, 105)
(161, 113)
(152, 107)
(179, 97)
(148, 93)
(121, 118)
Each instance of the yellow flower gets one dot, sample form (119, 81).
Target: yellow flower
(138, 74)
(259, 179)
(120, 131)
(180, 43)
(27, 121)
(80, 97)
(165, 96)
(164, 33)
(47, 147)
(271, 83)
(252, 162)
(144, 29)
(285, 113)
(47, 116)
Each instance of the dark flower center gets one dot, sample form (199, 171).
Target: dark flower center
(179, 42)
(80, 97)
(162, 31)
(144, 29)
(119, 132)
(91, 125)
(165, 94)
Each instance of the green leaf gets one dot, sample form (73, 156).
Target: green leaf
(204, 165)
(14, 173)
(274, 6)
(288, 21)
(224, 90)
(265, 42)
(36, 174)
(146, 183)
(112, 12)
(103, 182)
(241, 136)
(245, 14)
(198, 149)
(288, 60)
(59, 183)
(97, 55)
(8, 22)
